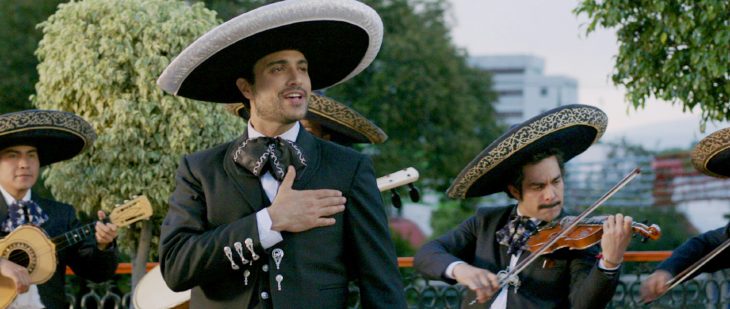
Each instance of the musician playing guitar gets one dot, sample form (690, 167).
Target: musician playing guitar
(527, 163)
(710, 157)
(29, 140)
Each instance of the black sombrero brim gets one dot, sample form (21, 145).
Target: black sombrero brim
(711, 156)
(57, 135)
(346, 125)
(570, 129)
(339, 38)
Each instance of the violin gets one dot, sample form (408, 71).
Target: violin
(509, 276)
(585, 234)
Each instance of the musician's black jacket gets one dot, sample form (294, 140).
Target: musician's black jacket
(214, 207)
(84, 258)
(563, 279)
(697, 247)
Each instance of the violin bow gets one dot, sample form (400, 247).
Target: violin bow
(512, 273)
(692, 269)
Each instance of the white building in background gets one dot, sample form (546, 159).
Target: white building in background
(522, 88)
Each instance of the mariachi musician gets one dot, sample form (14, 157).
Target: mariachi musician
(326, 119)
(278, 218)
(711, 156)
(527, 163)
(29, 140)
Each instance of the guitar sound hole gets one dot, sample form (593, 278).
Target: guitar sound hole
(20, 257)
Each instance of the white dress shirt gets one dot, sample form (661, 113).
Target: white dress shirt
(268, 237)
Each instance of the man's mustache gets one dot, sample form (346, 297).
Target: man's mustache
(547, 206)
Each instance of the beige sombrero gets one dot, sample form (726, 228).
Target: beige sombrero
(339, 38)
(346, 125)
(711, 156)
(57, 135)
(570, 128)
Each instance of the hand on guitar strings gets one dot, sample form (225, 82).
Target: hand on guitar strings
(17, 273)
(105, 232)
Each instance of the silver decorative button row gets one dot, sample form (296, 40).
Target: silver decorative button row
(264, 295)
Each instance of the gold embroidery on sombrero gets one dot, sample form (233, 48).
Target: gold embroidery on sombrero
(708, 148)
(340, 114)
(35, 119)
(528, 134)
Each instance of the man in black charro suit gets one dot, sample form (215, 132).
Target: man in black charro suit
(246, 229)
(527, 163)
(28, 140)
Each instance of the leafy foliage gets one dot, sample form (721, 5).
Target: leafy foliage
(19, 39)
(449, 215)
(435, 108)
(100, 59)
(672, 50)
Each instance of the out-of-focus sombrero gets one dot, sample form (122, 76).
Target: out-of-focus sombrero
(57, 135)
(346, 125)
(711, 156)
(570, 128)
(339, 38)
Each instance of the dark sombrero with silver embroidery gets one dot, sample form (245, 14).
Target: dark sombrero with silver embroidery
(57, 135)
(339, 38)
(711, 156)
(346, 125)
(570, 128)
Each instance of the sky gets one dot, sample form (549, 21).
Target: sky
(550, 30)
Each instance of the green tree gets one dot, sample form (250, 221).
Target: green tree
(672, 50)
(450, 214)
(100, 59)
(19, 38)
(435, 108)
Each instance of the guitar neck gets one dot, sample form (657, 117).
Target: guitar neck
(74, 236)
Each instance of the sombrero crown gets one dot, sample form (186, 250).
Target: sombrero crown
(346, 125)
(570, 128)
(57, 135)
(339, 38)
(711, 156)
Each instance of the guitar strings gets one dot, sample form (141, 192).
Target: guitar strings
(61, 242)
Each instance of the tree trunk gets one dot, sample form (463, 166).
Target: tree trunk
(139, 261)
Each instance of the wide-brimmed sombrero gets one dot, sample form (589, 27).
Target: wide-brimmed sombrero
(57, 135)
(346, 125)
(570, 129)
(339, 38)
(711, 156)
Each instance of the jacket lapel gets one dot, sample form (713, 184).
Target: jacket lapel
(504, 259)
(310, 147)
(3, 209)
(247, 184)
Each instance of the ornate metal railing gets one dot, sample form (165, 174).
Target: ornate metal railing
(704, 291)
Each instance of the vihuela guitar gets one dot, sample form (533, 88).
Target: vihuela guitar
(397, 179)
(30, 246)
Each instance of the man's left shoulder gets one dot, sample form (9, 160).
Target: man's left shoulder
(332, 152)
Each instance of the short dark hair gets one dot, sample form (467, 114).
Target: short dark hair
(519, 175)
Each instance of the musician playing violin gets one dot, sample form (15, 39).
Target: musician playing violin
(29, 140)
(710, 157)
(527, 163)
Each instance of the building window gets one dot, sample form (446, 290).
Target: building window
(516, 114)
(510, 93)
(544, 91)
(507, 71)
